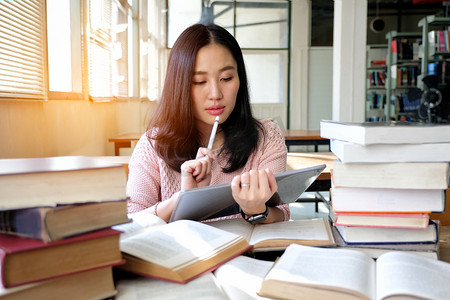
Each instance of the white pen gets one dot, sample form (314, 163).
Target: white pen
(213, 133)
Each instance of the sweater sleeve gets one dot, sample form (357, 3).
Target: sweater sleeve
(274, 150)
(143, 187)
(274, 155)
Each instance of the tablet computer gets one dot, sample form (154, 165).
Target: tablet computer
(201, 203)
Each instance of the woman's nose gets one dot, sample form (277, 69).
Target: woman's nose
(215, 91)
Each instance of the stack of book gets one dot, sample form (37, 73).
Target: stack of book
(386, 181)
(56, 215)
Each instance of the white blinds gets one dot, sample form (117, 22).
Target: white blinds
(22, 49)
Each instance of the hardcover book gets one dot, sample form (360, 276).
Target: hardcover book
(26, 260)
(385, 132)
(178, 251)
(55, 223)
(279, 235)
(384, 235)
(384, 153)
(350, 274)
(429, 250)
(386, 220)
(92, 284)
(352, 199)
(391, 175)
(49, 181)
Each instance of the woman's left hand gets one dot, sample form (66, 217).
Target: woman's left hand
(251, 190)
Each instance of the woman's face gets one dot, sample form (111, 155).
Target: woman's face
(215, 85)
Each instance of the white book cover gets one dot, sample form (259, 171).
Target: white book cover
(385, 132)
(380, 153)
(350, 199)
(380, 235)
(431, 175)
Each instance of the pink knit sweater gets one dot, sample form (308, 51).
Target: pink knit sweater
(151, 180)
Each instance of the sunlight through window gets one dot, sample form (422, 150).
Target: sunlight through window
(59, 45)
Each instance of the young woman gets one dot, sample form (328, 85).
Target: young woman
(206, 78)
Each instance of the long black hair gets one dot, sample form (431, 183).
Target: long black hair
(177, 139)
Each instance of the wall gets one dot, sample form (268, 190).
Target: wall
(320, 85)
(60, 127)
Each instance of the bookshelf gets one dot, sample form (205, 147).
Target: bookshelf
(375, 82)
(435, 50)
(402, 68)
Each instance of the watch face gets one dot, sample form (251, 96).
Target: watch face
(257, 219)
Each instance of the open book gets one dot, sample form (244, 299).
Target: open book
(179, 251)
(323, 273)
(279, 235)
(239, 278)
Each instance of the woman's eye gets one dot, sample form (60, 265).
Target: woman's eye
(198, 82)
(227, 78)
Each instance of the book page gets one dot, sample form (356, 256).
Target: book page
(201, 288)
(241, 277)
(237, 225)
(401, 273)
(139, 220)
(177, 243)
(330, 268)
(303, 229)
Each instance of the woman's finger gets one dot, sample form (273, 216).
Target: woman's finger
(245, 181)
(254, 179)
(272, 181)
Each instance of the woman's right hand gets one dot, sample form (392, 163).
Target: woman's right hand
(197, 172)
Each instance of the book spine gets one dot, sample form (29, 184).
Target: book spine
(2, 268)
(7, 222)
(27, 223)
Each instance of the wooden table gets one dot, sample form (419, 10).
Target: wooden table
(301, 137)
(309, 159)
(300, 160)
(125, 140)
(444, 243)
(293, 137)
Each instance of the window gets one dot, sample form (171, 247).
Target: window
(261, 29)
(109, 32)
(64, 49)
(154, 53)
(22, 50)
(67, 49)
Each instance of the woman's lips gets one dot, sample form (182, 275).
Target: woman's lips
(215, 110)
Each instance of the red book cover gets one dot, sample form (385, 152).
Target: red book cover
(377, 219)
(441, 41)
(394, 46)
(11, 246)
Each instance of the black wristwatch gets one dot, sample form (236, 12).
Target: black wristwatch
(255, 219)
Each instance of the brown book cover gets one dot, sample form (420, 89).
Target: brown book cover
(26, 260)
(55, 223)
(92, 284)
